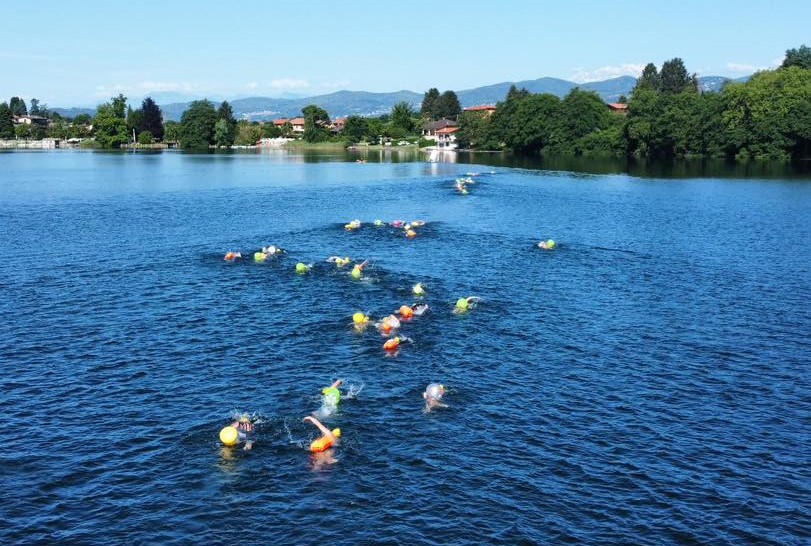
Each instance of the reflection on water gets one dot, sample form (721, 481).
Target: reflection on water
(684, 168)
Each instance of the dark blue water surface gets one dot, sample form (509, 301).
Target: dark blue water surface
(645, 383)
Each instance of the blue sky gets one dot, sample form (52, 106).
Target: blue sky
(83, 52)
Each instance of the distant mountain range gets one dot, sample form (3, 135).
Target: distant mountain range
(363, 103)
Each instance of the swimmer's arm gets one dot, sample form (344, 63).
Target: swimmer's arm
(338, 383)
(324, 430)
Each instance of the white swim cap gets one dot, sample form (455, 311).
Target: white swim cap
(435, 391)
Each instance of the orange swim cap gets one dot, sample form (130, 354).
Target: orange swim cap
(391, 344)
(406, 311)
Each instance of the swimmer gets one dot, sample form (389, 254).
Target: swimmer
(260, 257)
(329, 439)
(417, 223)
(244, 431)
(463, 305)
(392, 344)
(418, 289)
(397, 223)
(302, 268)
(232, 256)
(338, 261)
(388, 325)
(354, 224)
(379, 223)
(419, 309)
(330, 399)
(357, 270)
(272, 250)
(549, 244)
(360, 321)
(433, 396)
(410, 233)
(413, 310)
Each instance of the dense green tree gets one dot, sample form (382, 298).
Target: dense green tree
(34, 110)
(474, 131)
(229, 133)
(6, 121)
(135, 119)
(375, 128)
(145, 137)
(316, 120)
(82, 119)
(674, 77)
(429, 100)
(503, 116)
(800, 57)
(355, 128)
(247, 133)
(171, 131)
(531, 128)
(110, 123)
(197, 125)
(223, 136)
(17, 106)
(580, 114)
(402, 115)
(269, 130)
(447, 106)
(23, 131)
(152, 120)
(649, 79)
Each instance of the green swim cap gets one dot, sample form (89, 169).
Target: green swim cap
(333, 393)
(356, 272)
(461, 303)
(301, 268)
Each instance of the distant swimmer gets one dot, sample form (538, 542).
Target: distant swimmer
(417, 223)
(240, 431)
(357, 270)
(338, 261)
(388, 325)
(302, 268)
(259, 257)
(418, 289)
(433, 396)
(360, 321)
(392, 344)
(354, 224)
(379, 223)
(397, 223)
(331, 396)
(410, 233)
(463, 305)
(329, 438)
(414, 310)
(232, 256)
(549, 244)
(272, 250)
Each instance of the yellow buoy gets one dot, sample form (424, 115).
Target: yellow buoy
(228, 436)
(360, 318)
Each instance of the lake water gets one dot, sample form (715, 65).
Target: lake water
(647, 382)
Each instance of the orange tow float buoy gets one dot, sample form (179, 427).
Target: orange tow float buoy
(392, 344)
(406, 312)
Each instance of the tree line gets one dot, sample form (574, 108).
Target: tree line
(767, 117)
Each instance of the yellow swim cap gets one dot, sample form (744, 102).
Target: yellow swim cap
(360, 318)
(336, 432)
(228, 436)
(244, 418)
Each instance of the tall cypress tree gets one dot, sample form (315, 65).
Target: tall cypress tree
(152, 119)
(6, 121)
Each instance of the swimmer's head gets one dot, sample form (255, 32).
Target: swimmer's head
(434, 391)
(356, 272)
(360, 318)
(302, 268)
(462, 304)
(336, 432)
(244, 418)
(418, 289)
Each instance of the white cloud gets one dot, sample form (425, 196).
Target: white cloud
(160, 87)
(289, 83)
(252, 85)
(607, 72)
(744, 68)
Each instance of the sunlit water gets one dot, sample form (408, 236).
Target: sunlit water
(645, 383)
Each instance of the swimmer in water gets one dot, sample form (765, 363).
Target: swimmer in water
(388, 325)
(232, 256)
(549, 244)
(464, 305)
(338, 261)
(244, 428)
(323, 447)
(433, 396)
(357, 270)
(354, 224)
(272, 250)
(331, 394)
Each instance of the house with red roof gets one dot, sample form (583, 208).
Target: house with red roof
(446, 138)
(486, 109)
